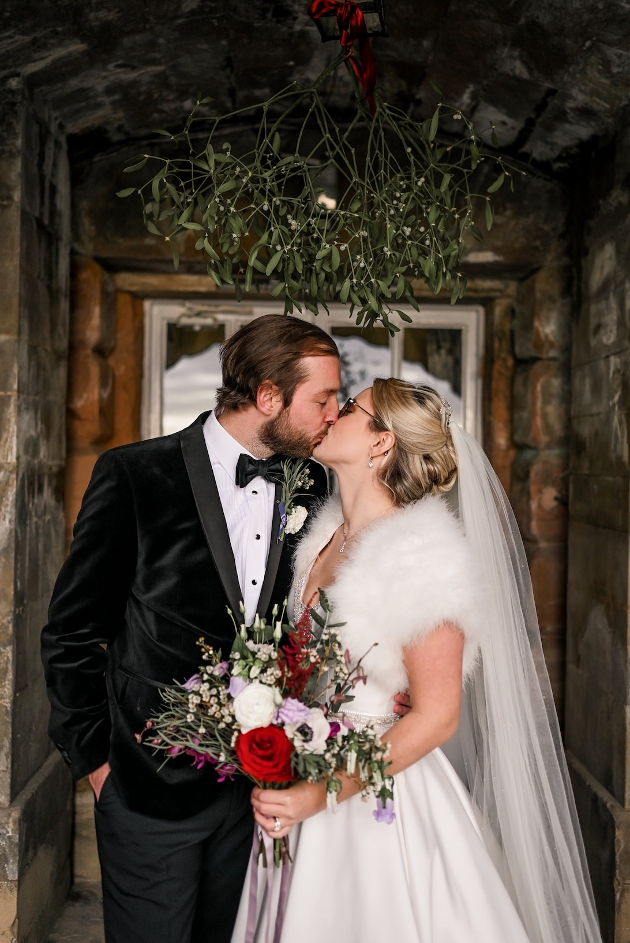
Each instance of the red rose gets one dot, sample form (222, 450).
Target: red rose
(265, 754)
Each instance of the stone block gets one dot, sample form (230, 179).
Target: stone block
(599, 445)
(8, 364)
(86, 863)
(126, 364)
(601, 386)
(541, 405)
(498, 382)
(601, 327)
(539, 494)
(78, 473)
(542, 325)
(8, 428)
(597, 646)
(90, 391)
(548, 568)
(93, 308)
(600, 500)
(30, 743)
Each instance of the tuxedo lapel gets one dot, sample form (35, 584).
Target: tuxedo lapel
(206, 494)
(275, 552)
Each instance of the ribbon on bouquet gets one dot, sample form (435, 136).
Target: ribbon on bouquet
(352, 28)
(263, 843)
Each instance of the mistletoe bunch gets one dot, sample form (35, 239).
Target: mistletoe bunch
(404, 210)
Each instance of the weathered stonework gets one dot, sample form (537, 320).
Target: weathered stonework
(597, 699)
(35, 790)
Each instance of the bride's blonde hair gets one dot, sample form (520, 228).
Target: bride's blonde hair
(423, 459)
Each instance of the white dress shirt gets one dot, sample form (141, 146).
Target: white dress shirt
(248, 513)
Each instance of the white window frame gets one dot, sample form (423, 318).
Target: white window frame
(158, 313)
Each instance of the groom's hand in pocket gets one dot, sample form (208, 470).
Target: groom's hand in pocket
(402, 703)
(97, 779)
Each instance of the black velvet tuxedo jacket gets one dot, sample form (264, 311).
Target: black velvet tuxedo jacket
(149, 572)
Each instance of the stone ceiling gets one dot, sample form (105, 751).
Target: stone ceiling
(551, 74)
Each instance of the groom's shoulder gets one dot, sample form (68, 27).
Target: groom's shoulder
(138, 454)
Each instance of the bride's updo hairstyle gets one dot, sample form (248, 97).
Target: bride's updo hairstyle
(423, 459)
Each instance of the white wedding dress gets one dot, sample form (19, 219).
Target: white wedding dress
(425, 878)
(495, 856)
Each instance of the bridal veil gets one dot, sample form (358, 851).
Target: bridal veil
(509, 733)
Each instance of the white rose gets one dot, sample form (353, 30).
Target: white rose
(310, 736)
(254, 706)
(296, 519)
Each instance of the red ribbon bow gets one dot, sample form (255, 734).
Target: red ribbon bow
(351, 27)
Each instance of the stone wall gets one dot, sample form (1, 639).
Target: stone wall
(103, 410)
(541, 402)
(35, 790)
(597, 703)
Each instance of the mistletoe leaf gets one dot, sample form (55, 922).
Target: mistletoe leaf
(497, 184)
(275, 259)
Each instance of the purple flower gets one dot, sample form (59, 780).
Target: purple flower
(236, 686)
(283, 519)
(199, 759)
(292, 711)
(226, 772)
(334, 728)
(194, 680)
(384, 813)
(173, 751)
(221, 669)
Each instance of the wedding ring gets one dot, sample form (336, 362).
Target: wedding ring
(278, 824)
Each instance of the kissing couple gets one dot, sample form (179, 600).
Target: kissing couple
(173, 532)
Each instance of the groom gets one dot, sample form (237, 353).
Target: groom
(172, 531)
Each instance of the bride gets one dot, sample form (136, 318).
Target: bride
(482, 846)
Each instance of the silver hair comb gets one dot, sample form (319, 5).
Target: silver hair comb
(446, 411)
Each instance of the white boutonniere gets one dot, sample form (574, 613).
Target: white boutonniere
(292, 516)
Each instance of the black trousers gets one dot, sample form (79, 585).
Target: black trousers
(173, 882)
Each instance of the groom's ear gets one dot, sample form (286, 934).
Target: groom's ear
(269, 400)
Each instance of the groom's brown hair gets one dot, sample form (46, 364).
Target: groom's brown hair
(269, 349)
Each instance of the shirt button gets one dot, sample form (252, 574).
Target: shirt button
(257, 536)
(254, 492)
(254, 582)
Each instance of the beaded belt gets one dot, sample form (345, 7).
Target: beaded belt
(361, 721)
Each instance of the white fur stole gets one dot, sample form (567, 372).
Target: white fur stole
(404, 576)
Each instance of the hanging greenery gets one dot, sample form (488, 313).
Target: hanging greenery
(405, 202)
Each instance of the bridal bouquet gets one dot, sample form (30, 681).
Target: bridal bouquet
(273, 710)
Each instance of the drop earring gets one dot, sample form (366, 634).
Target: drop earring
(370, 462)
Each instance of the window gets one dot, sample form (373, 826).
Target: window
(442, 347)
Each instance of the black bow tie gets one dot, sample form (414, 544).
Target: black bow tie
(248, 468)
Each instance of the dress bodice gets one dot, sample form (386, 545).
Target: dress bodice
(371, 704)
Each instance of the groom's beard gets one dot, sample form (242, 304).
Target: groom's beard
(283, 438)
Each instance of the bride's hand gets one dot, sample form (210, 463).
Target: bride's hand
(290, 806)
